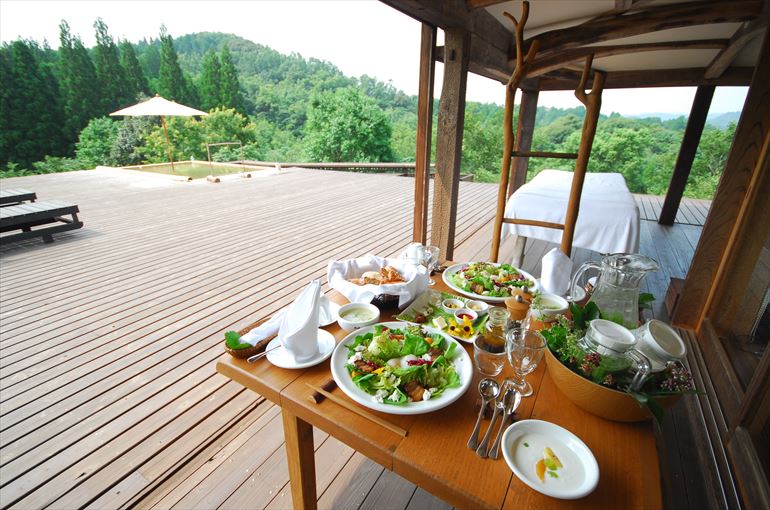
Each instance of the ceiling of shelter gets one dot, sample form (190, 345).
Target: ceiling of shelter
(637, 42)
(548, 15)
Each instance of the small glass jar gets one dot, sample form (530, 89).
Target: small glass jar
(489, 347)
(614, 344)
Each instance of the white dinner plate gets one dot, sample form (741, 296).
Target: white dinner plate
(489, 299)
(282, 358)
(523, 444)
(462, 362)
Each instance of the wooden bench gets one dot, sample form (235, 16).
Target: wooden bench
(26, 216)
(16, 196)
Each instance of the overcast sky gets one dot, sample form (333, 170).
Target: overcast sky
(358, 36)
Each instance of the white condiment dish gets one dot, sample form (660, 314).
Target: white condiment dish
(480, 307)
(660, 343)
(549, 307)
(451, 305)
(523, 444)
(465, 311)
(349, 323)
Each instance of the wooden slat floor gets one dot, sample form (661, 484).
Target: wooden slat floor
(108, 337)
(692, 211)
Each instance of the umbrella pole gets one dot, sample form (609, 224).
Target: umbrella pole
(168, 143)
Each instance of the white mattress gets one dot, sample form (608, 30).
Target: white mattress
(608, 221)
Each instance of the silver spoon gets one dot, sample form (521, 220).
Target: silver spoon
(252, 359)
(489, 389)
(499, 407)
(511, 404)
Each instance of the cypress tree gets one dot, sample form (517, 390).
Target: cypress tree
(135, 77)
(172, 83)
(77, 80)
(230, 88)
(208, 84)
(31, 117)
(110, 76)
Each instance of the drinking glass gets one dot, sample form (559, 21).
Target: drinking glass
(490, 359)
(525, 349)
(430, 261)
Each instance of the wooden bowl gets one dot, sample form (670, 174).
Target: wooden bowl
(597, 399)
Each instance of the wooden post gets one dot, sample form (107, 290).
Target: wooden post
(524, 130)
(451, 118)
(593, 104)
(168, 143)
(695, 123)
(424, 133)
(723, 216)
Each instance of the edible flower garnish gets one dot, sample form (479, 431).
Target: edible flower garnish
(463, 329)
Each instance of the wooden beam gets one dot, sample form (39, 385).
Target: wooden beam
(723, 217)
(738, 41)
(477, 4)
(692, 133)
(524, 131)
(546, 64)
(651, 19)
(424, 133)
(593, 104)
(690, 77)
(451, 119)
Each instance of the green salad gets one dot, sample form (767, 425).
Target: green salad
(397, 366)
(486, 279)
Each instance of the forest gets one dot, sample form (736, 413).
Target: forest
(54, 107)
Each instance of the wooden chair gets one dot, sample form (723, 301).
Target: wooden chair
(592, 102)
(26, 216)
(16, 196)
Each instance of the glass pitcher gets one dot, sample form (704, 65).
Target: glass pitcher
(616, 292)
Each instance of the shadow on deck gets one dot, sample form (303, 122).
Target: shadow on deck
(109, 336)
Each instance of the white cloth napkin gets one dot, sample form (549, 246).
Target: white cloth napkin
(270, 327)
(299, 328)
(339, 272)
(555, 275)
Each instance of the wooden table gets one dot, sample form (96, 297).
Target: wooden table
(434, 454)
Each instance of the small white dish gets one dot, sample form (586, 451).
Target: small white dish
(477, 306)
(465, 311)
(523, 444)
(282, 358)
(452, 305)
(350, 323)
(550, 307)
(660, 343)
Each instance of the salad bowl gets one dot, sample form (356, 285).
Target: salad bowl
(452, 276)
(458, 357)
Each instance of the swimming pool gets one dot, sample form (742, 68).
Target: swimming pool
(194, 169)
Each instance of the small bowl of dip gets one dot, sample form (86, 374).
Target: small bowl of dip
(450, 305)
(480, 307)
(357, 315)
(464, 313)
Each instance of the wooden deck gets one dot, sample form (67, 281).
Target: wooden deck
(108, 337)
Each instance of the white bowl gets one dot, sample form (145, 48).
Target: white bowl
(351, 323)
(552, 305)
(465, 311)
(660, 343)
(477, 306)
(457, 304)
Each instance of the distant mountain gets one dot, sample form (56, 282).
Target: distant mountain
(659, 115)
(722, 120)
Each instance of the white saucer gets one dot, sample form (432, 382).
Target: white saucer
(281, 358)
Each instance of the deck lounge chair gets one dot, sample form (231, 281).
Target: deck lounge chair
(16, 196)
(26, 216)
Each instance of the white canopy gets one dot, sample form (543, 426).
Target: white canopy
(158, 106)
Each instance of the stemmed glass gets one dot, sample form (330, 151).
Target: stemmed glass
(525, 349)
(430, 261)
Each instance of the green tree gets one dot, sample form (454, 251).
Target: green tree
(95, 142)
(111, 78)
(209, 82)
(172, 83)
(229, 86)
(126, 149)
(137, 81)
(346, 126)
(77, 77)
(30, 113)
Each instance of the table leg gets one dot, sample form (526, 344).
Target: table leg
(298, 435)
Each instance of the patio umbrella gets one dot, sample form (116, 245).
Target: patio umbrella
(162, 107)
